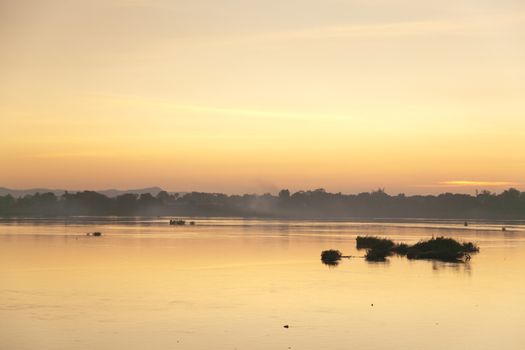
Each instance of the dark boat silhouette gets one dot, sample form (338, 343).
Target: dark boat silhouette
(177, 222)
(94, 234)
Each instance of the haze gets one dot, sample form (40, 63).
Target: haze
(253, 96)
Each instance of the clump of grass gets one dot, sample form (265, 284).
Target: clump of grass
(381, 251)
(470, 247)
(441, 248)
(377, 248)
(371, 242)
(400, 249)
(331, 256)
(377, 254)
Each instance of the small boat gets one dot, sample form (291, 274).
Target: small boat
(177, 222)
(94, 234)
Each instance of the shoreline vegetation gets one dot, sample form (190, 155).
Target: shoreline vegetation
(378, 249)
(316, 204)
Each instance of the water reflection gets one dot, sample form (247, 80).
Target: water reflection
(235, 284)
(330, 263)
(459, 267)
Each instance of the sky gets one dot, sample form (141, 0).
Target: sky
(253, 96)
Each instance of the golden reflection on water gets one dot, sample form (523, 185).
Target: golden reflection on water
(232, 284)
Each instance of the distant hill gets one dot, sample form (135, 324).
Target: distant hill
(109, 193)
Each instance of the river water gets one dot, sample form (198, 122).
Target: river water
(235, 284)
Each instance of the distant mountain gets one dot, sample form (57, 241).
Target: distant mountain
(110, 193)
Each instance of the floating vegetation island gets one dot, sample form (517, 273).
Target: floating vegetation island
(436, 248)
(331, 257)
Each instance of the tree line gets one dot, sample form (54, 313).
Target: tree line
(509, 204)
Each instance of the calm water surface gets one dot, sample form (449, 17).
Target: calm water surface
(233, 284)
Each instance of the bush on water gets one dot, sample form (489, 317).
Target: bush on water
(401, 249)
(331, 256)
(440, 248)
(377, 254)
(370, 242)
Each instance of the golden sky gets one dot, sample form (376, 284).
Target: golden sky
(257, 95)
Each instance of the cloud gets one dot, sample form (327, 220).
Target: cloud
(166, 104)
(459, 183)
(469, 183)
(410, 28)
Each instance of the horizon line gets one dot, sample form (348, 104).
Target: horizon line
(273, 192)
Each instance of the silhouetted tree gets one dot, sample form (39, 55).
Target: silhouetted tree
(318, 203)
(284, 194)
